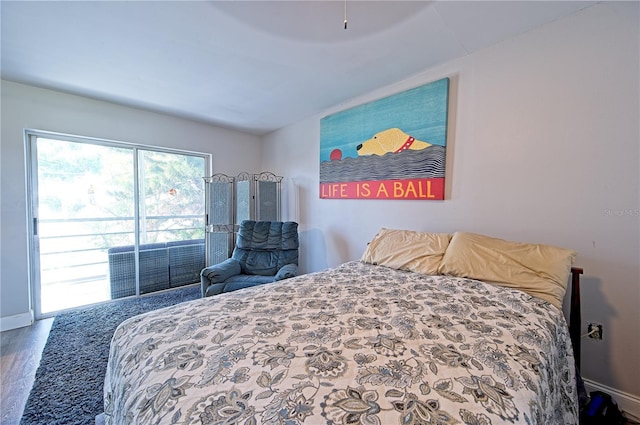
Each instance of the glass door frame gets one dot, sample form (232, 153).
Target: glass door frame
(32, 197)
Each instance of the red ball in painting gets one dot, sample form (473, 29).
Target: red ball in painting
(336, 155)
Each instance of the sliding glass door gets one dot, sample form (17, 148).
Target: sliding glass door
(111, 220)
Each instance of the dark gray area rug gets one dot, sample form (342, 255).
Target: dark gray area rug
(69, 381)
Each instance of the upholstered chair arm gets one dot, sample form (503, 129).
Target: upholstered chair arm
(286, 271)
(217, 274)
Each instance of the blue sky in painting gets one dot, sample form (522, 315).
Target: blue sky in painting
(420, 112)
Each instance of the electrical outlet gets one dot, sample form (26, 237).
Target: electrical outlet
(594, 330)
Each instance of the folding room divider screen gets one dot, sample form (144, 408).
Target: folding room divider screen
(231, 199)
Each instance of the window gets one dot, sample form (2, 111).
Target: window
(111, 220)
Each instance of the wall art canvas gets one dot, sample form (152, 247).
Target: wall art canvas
(391, 148)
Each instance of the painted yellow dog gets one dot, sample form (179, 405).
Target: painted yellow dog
(390, 140)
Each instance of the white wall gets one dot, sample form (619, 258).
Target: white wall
(30, 107)
(543, 147)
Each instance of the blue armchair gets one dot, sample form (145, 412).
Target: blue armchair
(265, 251)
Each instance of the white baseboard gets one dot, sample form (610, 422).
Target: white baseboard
(628, 403)
(16, 321)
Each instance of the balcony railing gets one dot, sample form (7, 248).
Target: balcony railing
(75, 266)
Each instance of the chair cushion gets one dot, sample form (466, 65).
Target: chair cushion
(245, 281)
(267, 235)
(264, 247)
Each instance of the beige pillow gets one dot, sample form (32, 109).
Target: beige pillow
(539, 270)
(419, 252)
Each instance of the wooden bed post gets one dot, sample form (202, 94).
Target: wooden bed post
(575, 316)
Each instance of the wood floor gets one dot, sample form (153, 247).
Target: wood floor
(20, 353)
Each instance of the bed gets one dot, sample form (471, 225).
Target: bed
(401, 336)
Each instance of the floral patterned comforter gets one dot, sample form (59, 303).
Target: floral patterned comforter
(356, 344)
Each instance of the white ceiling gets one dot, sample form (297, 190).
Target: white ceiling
(255, 66)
